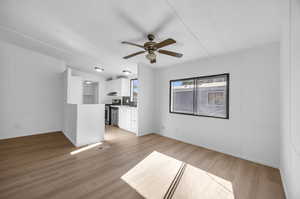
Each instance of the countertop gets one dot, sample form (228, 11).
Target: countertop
(123, 106)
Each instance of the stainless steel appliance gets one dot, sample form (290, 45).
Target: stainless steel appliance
(116, 102)
(111, 114)
(107, 114)
(114, 116)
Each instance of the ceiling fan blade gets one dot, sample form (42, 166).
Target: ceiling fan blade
(134, 54)
(174, 54)
(133, 44)
(165, 43)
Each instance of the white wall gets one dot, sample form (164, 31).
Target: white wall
(146, 100)
(75, 90)
(290, 99)
(31, 90)
(252, 132)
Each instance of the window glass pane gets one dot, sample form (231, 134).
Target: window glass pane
(220, 98)
(182, 96)
(134, 89)
(211, 96)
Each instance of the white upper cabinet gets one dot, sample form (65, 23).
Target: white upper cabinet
(125, 87)
(121, 87)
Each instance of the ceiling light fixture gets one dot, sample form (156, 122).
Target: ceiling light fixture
(88, 82)
(126, 72)
(97, 69)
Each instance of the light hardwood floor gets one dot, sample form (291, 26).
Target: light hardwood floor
(41, 166)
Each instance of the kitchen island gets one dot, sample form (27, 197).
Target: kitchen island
(84, 123)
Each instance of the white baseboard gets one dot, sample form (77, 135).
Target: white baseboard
(28, 134)
(285, 189)
(262, 162)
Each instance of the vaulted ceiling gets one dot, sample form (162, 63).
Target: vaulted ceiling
(86, 33)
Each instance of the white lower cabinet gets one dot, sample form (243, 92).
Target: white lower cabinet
(134, 121)
(128, 118)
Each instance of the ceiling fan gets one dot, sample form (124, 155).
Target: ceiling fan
(151, 47)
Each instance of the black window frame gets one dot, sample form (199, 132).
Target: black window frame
(130, 83)
(194, 95)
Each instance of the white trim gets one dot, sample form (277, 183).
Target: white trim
(258, 161)
(285, 188)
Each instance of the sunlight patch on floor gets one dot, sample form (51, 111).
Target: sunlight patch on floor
(85, 148)
(154, 177)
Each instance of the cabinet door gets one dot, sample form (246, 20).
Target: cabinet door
(125, 87)
(118, 86)
(114, 85)
(108, 85)
(134, 120)
(128, 119)
(122, 118)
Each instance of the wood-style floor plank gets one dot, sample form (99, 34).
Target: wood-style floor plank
(41, 166)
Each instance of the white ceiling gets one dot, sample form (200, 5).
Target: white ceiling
(86, 33)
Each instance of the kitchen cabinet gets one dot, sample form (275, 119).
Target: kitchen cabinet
(133, 121)
(122, 118)
(119, 86)
(128, 118)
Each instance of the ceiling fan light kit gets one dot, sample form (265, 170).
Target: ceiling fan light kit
(151, 56)
(151, 47)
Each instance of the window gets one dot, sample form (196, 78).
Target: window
(201, 96)
(182, 96)
(134, 89)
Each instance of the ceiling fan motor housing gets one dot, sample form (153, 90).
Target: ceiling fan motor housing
(151, 37)
(150, 46)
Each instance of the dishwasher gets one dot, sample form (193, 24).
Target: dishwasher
(114, 111)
